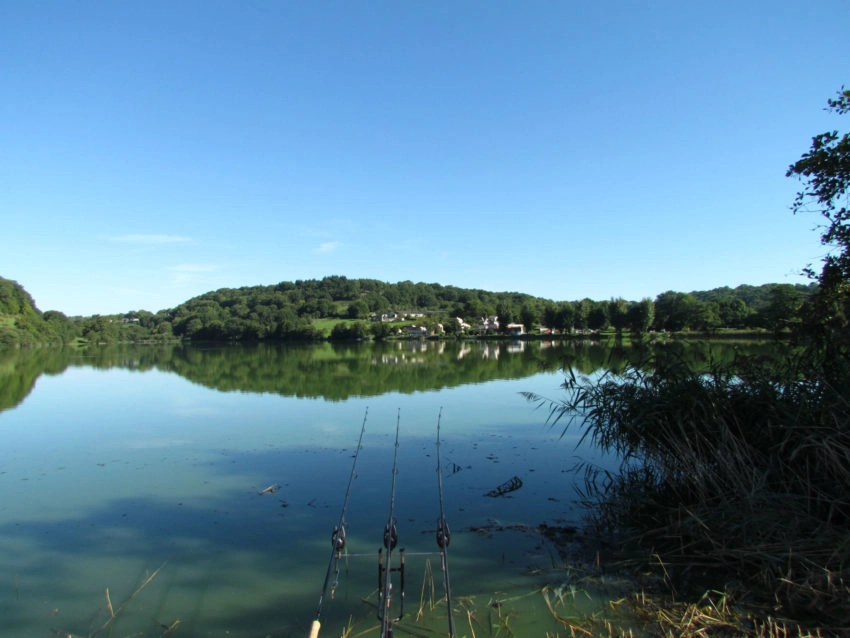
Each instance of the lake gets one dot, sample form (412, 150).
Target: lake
(131, 480)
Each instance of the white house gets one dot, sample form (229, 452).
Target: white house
(488, 324)
(516, 329)
(417, 331)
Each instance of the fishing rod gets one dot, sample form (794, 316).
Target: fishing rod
(338, 538)
(443, 534)
(385, 585)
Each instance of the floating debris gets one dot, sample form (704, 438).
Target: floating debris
(508, 486)
(560, 535)
(271, 489)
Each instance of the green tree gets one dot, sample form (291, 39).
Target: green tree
(14, 300)
(99, 329)
(825, 170)
(734, 312)
(784, 307)
(529, 316)
(451, 327)
(549, 316)
(641, 315)
(666, 312)
(565, 317)
(825, 173)
(425, 297)
(346, 332)
(618, 314)
(60, 325)
(598, 317)
(474, 309)
(376, 302)
(191, 327)
(676, 311)
(358, 309)
(380, 330)
(506, 312)
(582, 313)
(163, 330)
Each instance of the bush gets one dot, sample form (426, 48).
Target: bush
(343, 331)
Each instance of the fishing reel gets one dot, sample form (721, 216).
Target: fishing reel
(444, 536)
(390, 537)
(338, 538)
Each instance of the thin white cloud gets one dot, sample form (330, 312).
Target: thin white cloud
(327, 247)
(149, 240)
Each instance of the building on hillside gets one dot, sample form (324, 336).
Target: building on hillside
(417, 331)
(516, 329)
(488, 324)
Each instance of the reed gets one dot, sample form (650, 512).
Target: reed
(113, 612)
(655, 612)
(570, 623)
(428, 592)
(502, 624)
(466, 604)
(109, 605)
(740, 476)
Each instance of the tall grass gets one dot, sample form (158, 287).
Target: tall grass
(743, 475)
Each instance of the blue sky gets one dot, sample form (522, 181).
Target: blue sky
(152, 151)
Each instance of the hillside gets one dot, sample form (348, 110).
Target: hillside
(338, 307)
(23, 324)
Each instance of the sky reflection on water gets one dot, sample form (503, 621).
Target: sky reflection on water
(107, 475)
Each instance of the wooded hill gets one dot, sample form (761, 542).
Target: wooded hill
(337, 307)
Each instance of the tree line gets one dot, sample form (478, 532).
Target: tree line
(297, 311)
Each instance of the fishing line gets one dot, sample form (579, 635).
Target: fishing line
(443, 534)
(338, 537)
(385, 584)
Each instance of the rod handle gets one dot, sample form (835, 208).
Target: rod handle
(314, 630)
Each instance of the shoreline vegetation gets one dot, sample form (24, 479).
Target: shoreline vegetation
(732, 496)
(340, 309)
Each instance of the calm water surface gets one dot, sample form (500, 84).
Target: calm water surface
(110, 473)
